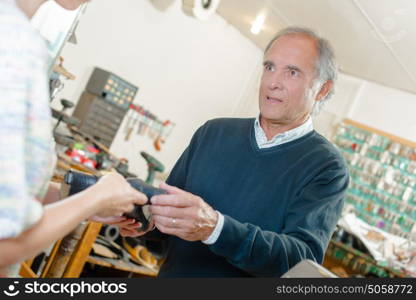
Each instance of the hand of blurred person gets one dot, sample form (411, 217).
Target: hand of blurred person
(116, 195)
(128, 227)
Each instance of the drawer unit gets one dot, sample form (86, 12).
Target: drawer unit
(98, 118)
(111, 88)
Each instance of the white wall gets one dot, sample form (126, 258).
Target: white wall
(248, 105)
(187, 70)
(340, 106)
(387, 109)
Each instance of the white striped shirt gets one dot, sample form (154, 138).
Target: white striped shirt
(281, 138)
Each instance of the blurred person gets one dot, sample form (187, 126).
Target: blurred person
(27, 156)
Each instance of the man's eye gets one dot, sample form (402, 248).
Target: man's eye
(268, 67)
(294, 73)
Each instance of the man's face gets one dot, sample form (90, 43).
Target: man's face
(289, 73)
(71, 4)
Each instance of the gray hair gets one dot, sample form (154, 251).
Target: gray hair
(325, 65)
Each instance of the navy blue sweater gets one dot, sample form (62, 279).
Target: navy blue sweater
(280, 204)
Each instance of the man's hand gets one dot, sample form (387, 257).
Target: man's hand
(183, 214)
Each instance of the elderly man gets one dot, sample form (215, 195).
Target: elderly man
(253, 197)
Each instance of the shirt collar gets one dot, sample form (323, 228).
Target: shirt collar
(281, 138)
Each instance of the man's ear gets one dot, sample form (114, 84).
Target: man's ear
(324, 91)
(70, 4)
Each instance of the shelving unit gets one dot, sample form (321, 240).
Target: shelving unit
(356, 263)
(382, 189)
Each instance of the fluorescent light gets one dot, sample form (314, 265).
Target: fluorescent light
(258, 23)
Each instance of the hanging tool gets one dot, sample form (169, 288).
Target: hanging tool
(142, 124)
(164, 132)
(130, 130)
(146, 122)
(153, 130)
(139, 127)
(130, 119)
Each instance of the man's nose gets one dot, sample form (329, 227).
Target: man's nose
(275, 81)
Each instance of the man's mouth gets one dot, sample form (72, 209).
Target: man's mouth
(273, 99)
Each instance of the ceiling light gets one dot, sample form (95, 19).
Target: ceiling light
(258, 23)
